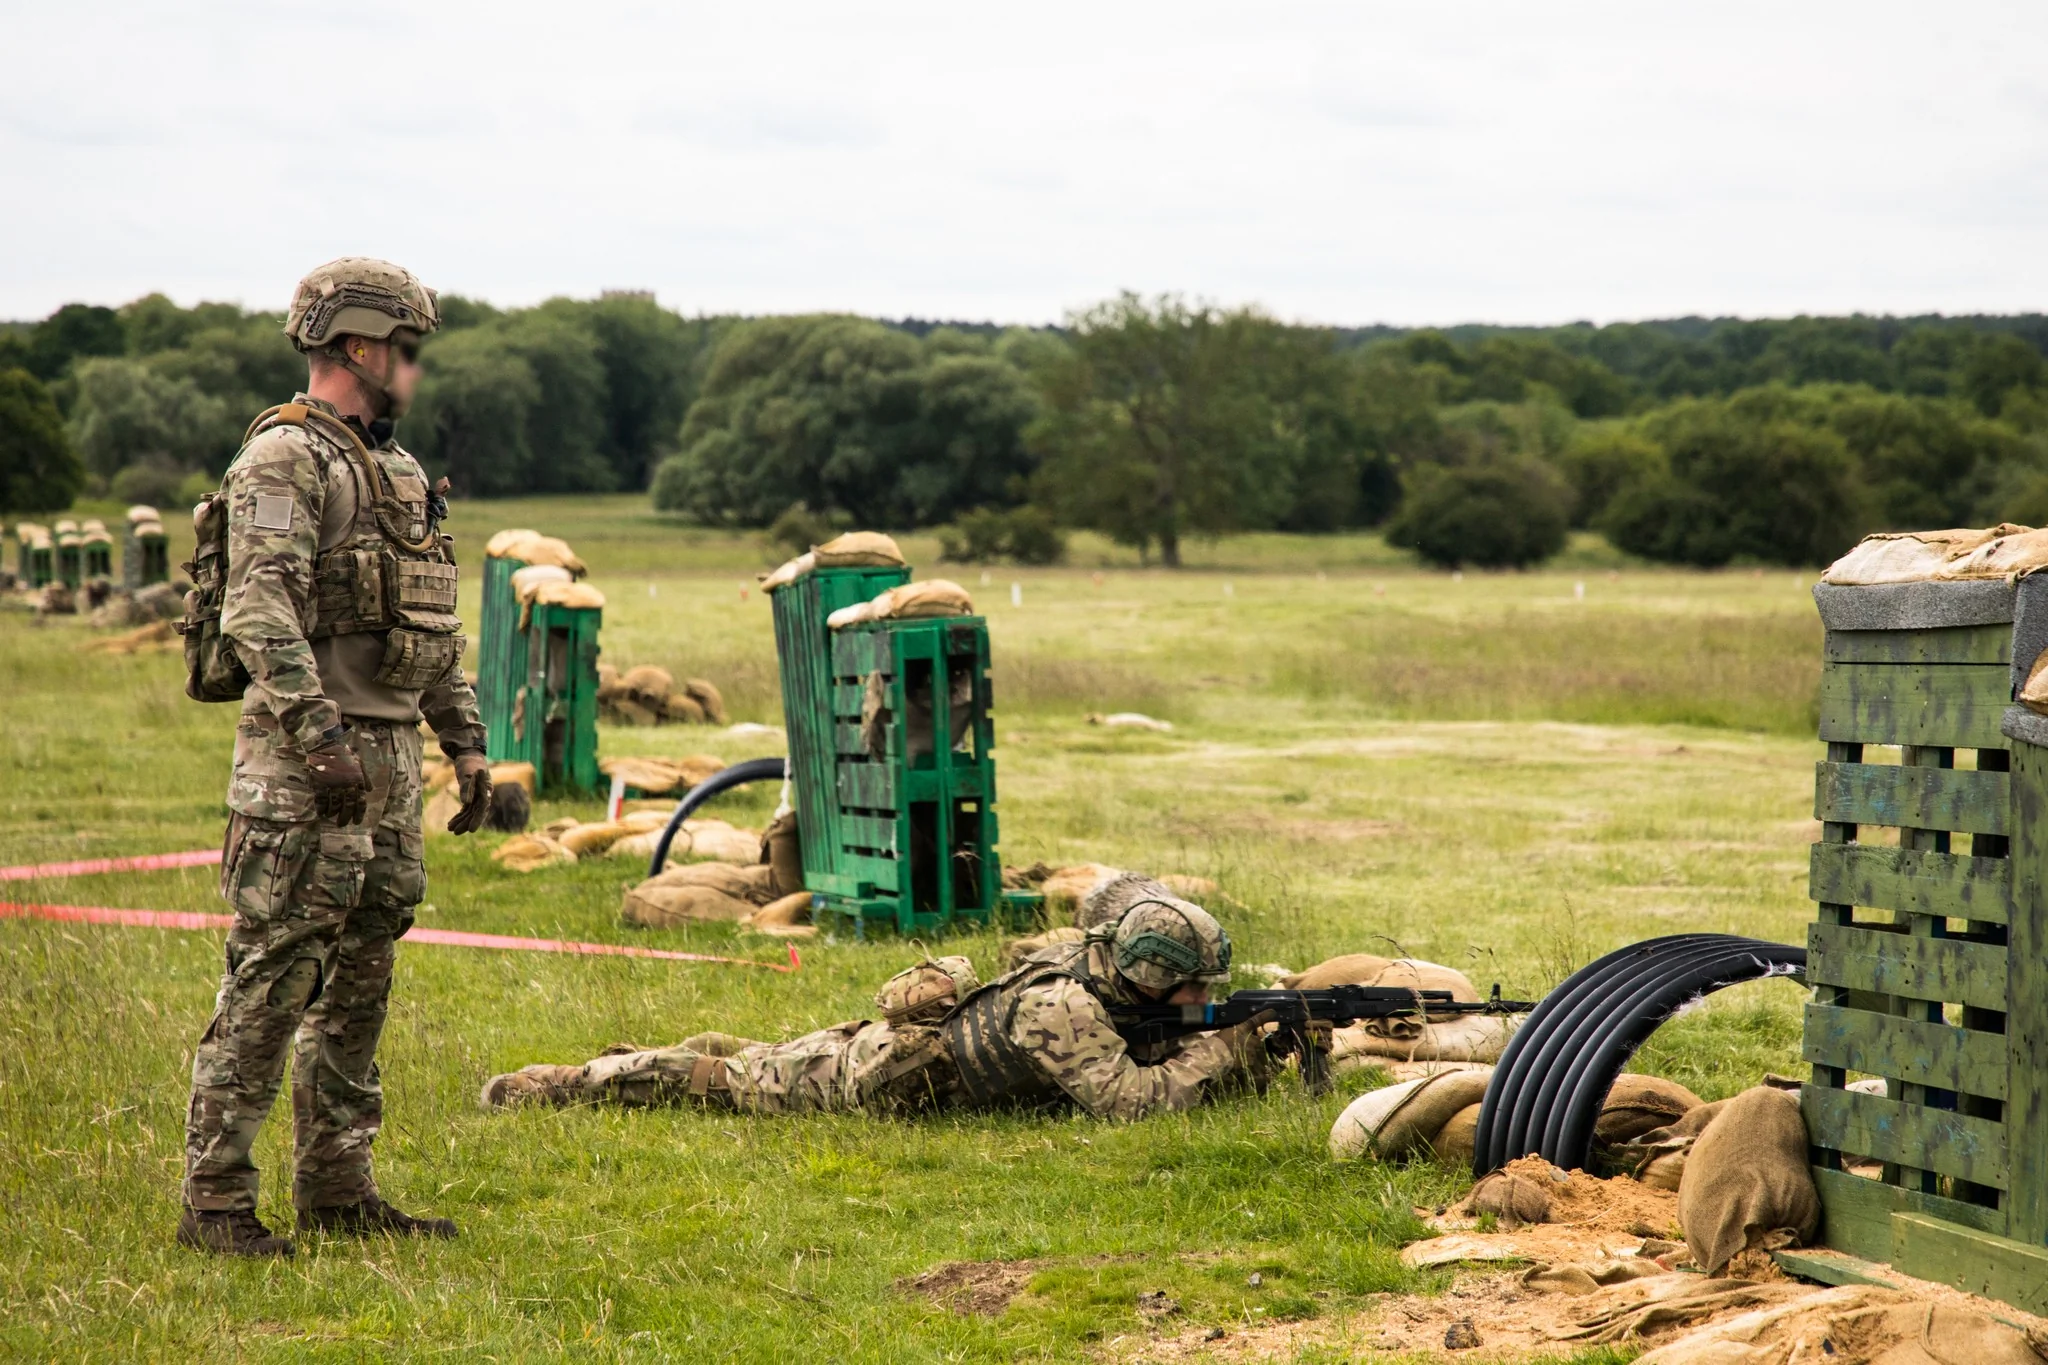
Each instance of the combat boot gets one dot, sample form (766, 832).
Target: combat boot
(541, 1084)
(372, 1217)
(230, 1232)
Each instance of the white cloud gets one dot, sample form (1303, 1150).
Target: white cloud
(1345, 162)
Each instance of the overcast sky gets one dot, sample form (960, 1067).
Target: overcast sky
(1349, 163)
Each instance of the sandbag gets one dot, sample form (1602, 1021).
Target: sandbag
(1452, 1038)
(1510, 1196)
(715, 839)
(1910, 557)
(649, 683)
(1852, 1325)
(1590, 1277)
(1636, 1105)
(1746, 1177)
(587, 841)
(750, 883)
(708, 698)
(1065, 888)
(526, 582)
(530, 853)
(782, 852)
(1016, 950)
(534, 548)
(1399, 1121)
(858, 550)
(783, 910)
(789, 572)
(923, 600)
(661, 776)
(1351, 969)
(1109, 902)
(681, 709)
(625, 710)
(1403, 973)
(656, 906)
(1456, 1141)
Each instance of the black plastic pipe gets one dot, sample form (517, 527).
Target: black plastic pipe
(725, 779)
(1553, 1077)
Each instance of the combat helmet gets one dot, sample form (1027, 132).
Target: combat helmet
(358, 296)
(1164, 942)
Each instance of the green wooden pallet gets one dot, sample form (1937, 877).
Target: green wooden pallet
(898, 828)
(1927, 956)
(537, 684)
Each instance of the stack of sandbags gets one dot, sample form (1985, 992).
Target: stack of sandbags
(531, 547)
(911, 602)
(1411, 1038)
(1431, 1116)
(699, 893)
(854, 550)
(2002, 551)
(1439, 1114)
(530, 853)
(658, 775)
(648, 695)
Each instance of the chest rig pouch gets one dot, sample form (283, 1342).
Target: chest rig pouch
(393, 574)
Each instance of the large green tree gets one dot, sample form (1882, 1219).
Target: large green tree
(844, 414)
(126, 412)
(1157, 426)
(39, 471)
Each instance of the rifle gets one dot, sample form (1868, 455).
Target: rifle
(1298, 1013)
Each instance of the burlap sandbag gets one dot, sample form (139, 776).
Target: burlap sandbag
(1510, 1196)
(1636, 1105)
(660, 775)
(782, 852)
(526, 583)
(1109, 902)
(708, 698)
(789, 572)
(1911, 556)
(1016, 950)
(1746, 1177)
(587, 841)
(1852, 1325)
(655, 906)
(1456, 1141)
(919, 601)
(1452, 1038)
(859, 550)
(1400, 1121)
(649, 684)
(1066, 887)
(751, 883)
(680, 709)
(783, 910)
(530, 852)
(715, 839)
(1657, 1158)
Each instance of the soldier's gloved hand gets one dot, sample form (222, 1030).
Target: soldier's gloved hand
(1248, 1054)
(340, 791)
(473, 785)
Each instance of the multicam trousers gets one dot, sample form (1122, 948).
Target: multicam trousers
(850, 1066)
(318, 909)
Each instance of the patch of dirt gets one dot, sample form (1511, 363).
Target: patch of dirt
(1590, 1219)
(972, 1287)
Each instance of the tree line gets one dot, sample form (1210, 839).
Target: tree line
(1152, 420)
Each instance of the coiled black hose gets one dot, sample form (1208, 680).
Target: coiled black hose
(1553, 1077)
(725, 779)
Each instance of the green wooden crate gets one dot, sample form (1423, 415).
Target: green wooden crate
(70, 560)
(1927, 956)
(537, 684)
(899, 829)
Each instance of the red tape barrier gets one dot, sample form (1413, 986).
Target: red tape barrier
(187, 919)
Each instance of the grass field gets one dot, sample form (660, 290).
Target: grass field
(1500, 772)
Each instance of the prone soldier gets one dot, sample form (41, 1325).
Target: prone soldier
(324, 602)
(1039, 1036)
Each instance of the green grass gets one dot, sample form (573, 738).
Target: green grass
(1490, 772)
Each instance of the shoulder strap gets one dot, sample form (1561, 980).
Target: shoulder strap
(306, 415)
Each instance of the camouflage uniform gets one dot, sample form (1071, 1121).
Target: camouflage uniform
(1053, 1013)
(318, 906)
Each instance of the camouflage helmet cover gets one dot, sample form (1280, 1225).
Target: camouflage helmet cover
(1165, 942)
(358, 296)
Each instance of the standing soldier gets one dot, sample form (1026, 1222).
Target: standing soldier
(1040, 1036)
(324, 601)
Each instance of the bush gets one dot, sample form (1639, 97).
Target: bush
(1026, 534)
(1507, 514)
(157, 482)
(798, 529)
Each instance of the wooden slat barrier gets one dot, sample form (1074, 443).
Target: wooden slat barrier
(1919, 1051)
(1862, 958)
(1911, 880)
(1943, 645)
(1939, 1140)
(1956, 705)
(1924, 798)
(1858, 1212)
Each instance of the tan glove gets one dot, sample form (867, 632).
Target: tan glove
(340, 791)
(473, 785)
